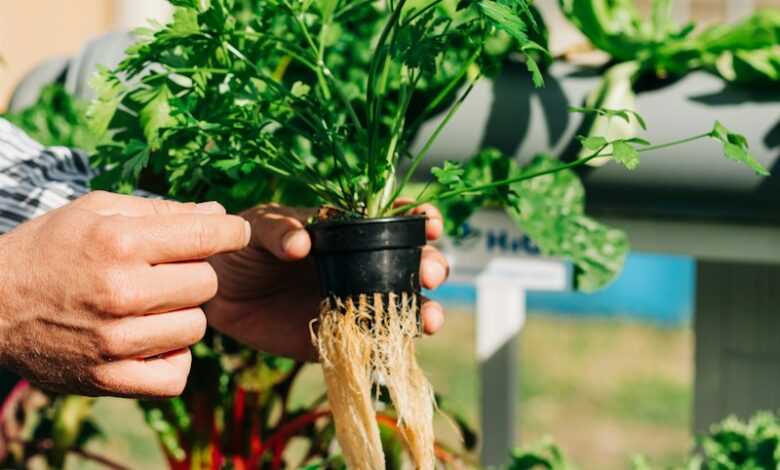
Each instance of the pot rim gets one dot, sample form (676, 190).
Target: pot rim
(352, 222)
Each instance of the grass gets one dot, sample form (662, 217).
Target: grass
(605, 390)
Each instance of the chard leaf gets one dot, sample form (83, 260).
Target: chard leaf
(735, 147)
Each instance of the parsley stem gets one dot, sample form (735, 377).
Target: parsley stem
(445, 91)
(527, 176)
(315, 50)
(427, 146)
(352, 6)
(672, 144)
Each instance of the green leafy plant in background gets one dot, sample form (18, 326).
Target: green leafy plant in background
(655, 46)
(733, 444)
(659, 45)
(56, 119)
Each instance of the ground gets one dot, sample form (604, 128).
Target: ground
(605, 390)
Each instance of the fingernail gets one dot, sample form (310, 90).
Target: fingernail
(434, 318)
(436, 273)
(247, 231)
(288, 240)
(211, 207)
(437, 224)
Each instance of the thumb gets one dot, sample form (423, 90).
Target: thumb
(280, 230)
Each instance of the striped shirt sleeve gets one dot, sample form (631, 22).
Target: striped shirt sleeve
(35, 179)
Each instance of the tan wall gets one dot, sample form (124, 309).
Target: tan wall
(34, 30)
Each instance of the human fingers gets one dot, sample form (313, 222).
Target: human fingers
(434, 268)
(160, 377)
(280, 230)
(434, 226)
(171, 238)
(106, 203)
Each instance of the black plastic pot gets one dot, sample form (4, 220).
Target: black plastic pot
(368, 256)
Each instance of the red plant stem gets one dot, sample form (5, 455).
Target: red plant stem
(174, 464)
(13, 396)
(215, 457)
(255, 443)
(276, 462)
(47, 444)
(239, 463)
(289, 429)
(278, 441)
(239, 401)
(215, 443)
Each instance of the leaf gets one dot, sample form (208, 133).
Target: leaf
(138, 159)
(638, 141)
(450, 175)
(735, 147)
(625, 154)
(511, 21)
(327, 8)
(759, 66)
(488, 166)
(393, 447)
(536, 73)
(593, 143)
(300, 89)
(155, 113)
(503, 18)
(56, 119)
(624, 114)
(109, 93)
(544, 454)
(184, 24)
(551, 210)
(191, 4)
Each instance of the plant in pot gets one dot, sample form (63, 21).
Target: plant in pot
(317, 102)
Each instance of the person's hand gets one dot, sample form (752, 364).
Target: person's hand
(269, 291)
(102, 296)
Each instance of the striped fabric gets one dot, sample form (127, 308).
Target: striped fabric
(35, 179)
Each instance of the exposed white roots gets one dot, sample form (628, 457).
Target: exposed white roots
(364, 344)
